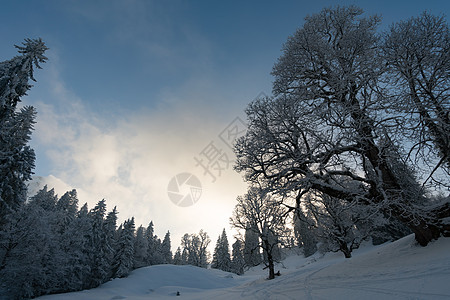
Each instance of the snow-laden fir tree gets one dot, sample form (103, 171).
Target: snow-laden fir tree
(140, 248)
(16, 156)
(305, 233)
(237, 261)
(27, 235)
(83, 228)
(166, 253)
(177, 260)
(125, 250)
(252, 254)
(99, 247)
(221, 256)
(109, 226)
(69, 242)
(154, 255)
(184, 256)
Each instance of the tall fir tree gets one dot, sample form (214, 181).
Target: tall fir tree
(221, 256)
(99, 247)
(16, 156)
(109, 227)
(177, 257)
(237, 262)
(165, 249)
(125, 250)
(304, 233)
(140, 248)
(252, 254)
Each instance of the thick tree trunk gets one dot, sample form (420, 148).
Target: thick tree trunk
(426, 226)
(343, 247)
(269, 259)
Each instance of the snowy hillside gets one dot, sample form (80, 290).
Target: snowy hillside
(398, 270)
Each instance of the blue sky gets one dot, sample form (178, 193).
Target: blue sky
(134, 90)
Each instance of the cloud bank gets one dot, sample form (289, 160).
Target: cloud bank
(129, 159)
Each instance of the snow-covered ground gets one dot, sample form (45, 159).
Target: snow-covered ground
(398, 270)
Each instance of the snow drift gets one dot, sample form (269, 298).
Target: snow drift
(398, 270)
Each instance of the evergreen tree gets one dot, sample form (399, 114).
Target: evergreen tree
(304, 233)
(98, 244)
(177, 257)
(152, 245)
(23, 274)
(140, 248)
(252, 255)
(66, 207)
(109, 227)
(16, 157)
(215, 259)
(125, 250)
(221, 257)
(184, 256)
(84, 225)
(74, 243)
(238, 261)
(165, 249)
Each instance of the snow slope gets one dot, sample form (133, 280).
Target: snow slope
(398, 270)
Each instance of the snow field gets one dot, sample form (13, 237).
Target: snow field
(397, 270)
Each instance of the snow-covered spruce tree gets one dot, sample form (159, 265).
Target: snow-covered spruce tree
(184, 256)
(28, 240)
(215, 259)
(166, 253)
(154, 255)
(74, 245)
(125, 250)
(64, 222)
(29, 237)
(177, 259)
(237, 262)
(304, 231)
(16, 157)
(266, 218)
(81, 242)
(109, 226)
(66, 208)
(140, 248)
(252, 254)
(99, 247)
(157, 253)
(221, 256)
(329, 119)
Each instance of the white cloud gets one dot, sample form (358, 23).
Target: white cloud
(130, 160)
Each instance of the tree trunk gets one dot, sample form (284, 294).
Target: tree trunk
(343, 247)
(269, 259)
(427, 226)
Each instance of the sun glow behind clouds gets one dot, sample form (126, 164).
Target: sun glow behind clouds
(129, 159)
